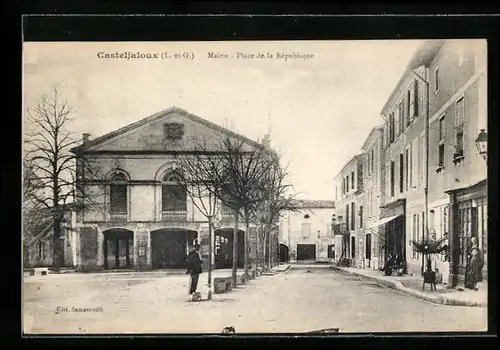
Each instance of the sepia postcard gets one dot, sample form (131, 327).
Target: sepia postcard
(255, 187)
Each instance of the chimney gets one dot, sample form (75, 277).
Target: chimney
(85, 137)
(266, 141)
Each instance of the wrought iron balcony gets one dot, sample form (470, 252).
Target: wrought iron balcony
(118, 216)
(174, 215)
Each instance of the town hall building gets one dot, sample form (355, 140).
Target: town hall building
(140, 218)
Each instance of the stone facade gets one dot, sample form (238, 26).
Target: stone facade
(130, 223)
(311, 226)
(432, 179)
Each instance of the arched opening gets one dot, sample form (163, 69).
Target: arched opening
(284, 254)
(174, 197)
(224, 248)
(170, 246)
(118, 249)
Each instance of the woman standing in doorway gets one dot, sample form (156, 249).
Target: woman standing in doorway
(475, 265)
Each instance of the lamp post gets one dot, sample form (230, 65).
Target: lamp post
(482, 144)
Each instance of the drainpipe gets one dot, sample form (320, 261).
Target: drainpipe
(426, 188)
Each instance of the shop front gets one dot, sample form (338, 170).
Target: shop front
(468, 227)
(392, 229)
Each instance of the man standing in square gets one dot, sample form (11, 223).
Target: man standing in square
(194, 268)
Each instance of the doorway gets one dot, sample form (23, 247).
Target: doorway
(118, 249)
(170, 247)
(284, 255)
(306, 251)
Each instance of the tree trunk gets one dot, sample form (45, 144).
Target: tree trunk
(234, 279)
(257, 247)
(210, 256)
(56, 249)
(247, 246)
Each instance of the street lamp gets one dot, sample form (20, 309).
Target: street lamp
(482, 143)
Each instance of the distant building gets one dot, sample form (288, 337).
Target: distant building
(306, 235)
(38, 244)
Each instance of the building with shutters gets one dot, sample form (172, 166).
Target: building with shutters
(143, 220)
(349, 201)
(432, 179)
(374, 182)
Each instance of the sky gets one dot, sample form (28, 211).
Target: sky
(318, 109)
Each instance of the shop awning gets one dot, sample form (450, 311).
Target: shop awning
(384, 221)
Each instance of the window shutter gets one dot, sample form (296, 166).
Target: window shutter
(415, 99)
(412, 102)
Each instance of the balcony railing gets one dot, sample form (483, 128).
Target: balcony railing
(174, 215)
(118, 216)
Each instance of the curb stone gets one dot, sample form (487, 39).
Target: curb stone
(396, 285)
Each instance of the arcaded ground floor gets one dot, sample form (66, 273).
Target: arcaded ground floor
(145, 247)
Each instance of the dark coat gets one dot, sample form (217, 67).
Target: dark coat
(194, 263)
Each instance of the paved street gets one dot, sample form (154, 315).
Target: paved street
(297, 301)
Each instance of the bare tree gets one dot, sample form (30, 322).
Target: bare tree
(232, 168)
(198, 179)
(279, 197)
(47, 149)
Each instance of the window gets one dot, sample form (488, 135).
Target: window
(436, 80)
(415, 99)
(397, 123)
(41, 250)
(414, 234)
(352, 180)
(401, 118)
(353, 247)
(459, 126)
(391, 128)
(306, 216)
(360, 216)
(373, 161)
(410, 165)
(353, 216)
(392, 179)
(347, 217)
(306, 229)
(417, 230)
(347, 184)
(464, 229)
(118, 196)
(401, 173)
(409, 107)
(442, 128)
(407, 168)
(441, 155)
(174, 196)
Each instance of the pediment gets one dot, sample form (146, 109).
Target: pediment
(173, 130)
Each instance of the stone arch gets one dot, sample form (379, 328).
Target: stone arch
(170, 166)
(117, 175)
(118, 248)
(169, 246)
